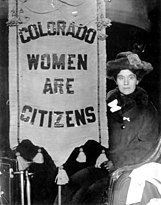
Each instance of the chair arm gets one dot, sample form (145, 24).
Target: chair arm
(128, 168)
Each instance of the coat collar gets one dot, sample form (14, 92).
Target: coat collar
(125, 102)
(139, 97)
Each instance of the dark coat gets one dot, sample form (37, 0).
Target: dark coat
(134, 129)
(130, 141)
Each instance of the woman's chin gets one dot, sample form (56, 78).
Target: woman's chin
(127, 92)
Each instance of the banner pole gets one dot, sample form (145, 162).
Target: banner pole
(22, 187)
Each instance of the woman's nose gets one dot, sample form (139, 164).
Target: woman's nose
(126, 81)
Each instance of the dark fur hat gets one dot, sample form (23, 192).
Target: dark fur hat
(128, 60)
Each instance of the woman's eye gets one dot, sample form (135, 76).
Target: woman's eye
(120, 78)
(131, 77)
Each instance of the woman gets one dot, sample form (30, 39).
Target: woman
(133, 134)
(132, 118)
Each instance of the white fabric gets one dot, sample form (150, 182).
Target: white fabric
(155, 201)
(150, 172)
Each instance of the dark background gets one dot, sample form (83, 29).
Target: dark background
(124, 37)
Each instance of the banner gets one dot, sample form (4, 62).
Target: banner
(57, 74)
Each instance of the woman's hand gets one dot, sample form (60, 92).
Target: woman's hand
(108, 165)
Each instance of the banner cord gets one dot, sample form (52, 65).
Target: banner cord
(18, 92)
(98, 78)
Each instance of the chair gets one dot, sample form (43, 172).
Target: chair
(120, 178)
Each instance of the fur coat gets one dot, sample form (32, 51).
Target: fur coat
(133, 124)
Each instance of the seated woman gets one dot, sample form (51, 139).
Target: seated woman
(133, 125)
(133, 120)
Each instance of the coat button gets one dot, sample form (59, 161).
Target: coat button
(122, 126)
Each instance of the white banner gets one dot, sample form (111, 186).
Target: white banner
(57, 75)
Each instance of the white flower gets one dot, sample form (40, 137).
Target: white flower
(134, 59)
(114, 106)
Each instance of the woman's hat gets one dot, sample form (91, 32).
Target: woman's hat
(128, 60)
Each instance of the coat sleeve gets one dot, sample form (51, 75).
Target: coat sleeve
(147, 136)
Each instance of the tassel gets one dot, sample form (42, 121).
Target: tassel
(81, 156)
(39, 159)
(62, 177)
(101, 158)
(22, 163)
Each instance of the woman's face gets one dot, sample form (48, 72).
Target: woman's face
(126, 81)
